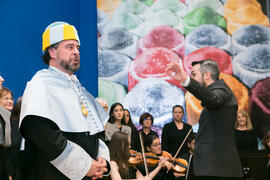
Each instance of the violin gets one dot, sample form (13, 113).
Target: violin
(136, 158)
(179, 165)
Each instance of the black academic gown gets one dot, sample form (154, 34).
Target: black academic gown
(45, 142)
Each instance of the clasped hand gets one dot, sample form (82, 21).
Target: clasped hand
(98, 168)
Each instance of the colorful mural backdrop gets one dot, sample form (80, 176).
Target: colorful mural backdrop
(138, 38)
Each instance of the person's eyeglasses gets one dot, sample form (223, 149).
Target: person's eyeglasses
(7, 98)
(148, 119)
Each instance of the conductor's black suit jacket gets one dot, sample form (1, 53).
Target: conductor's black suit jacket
(215, 151)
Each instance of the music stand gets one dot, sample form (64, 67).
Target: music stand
(254, 164)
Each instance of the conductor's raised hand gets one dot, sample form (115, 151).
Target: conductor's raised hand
(175, 71)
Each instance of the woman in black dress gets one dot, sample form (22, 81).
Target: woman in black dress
(245, 136)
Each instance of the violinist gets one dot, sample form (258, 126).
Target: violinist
(153, 148)
(120, 168)
(189, 155)
(191, 144)
(173, 133)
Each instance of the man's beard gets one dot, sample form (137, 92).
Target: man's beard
(202, 83)
(70, 67)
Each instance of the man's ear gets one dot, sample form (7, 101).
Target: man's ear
(207, 75)
(148, 149)
(52, 52)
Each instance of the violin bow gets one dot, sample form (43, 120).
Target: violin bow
(189, 161)
(143, 155)
(182, 144)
